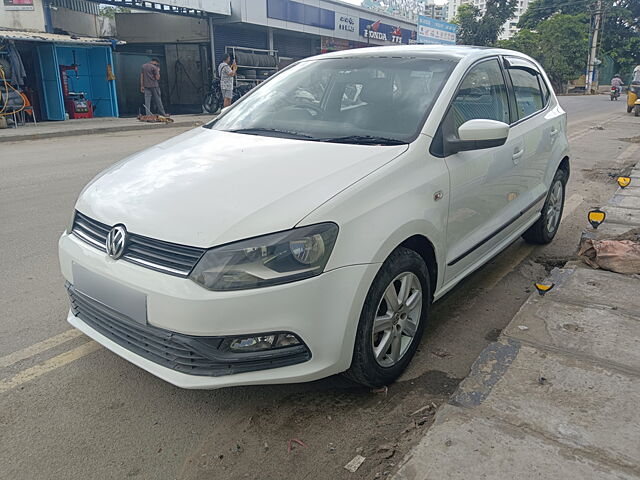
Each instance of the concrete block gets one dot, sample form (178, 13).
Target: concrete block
(625, 201)
(601, 334)
(590, 287)
(624, 216)
(581, 405)
(608, 230)
(460, 446)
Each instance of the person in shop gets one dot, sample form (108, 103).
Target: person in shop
(226, 72)
(150, 86)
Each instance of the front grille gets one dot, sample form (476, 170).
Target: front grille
(207, 356)
(158, 255)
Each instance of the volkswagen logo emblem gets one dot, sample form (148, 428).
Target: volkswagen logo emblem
(116, 241)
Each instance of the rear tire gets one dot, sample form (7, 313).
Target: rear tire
(211, 103)
(546, 227)
(380, 355)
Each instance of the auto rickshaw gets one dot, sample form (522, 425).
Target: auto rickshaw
(633, 99)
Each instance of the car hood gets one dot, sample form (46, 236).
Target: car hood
(206, 187)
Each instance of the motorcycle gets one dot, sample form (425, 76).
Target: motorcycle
(615, 93)
(633, 99)
(213, 100)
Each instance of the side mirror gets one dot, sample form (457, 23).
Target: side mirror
(224, 109)
(477, 134)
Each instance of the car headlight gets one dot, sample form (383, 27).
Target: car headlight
(268, 260)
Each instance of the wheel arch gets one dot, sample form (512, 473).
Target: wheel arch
(565, 166)
(423, 247)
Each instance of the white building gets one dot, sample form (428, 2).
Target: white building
(510, 27)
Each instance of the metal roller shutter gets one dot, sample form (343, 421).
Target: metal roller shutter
(231, 35)
(295, 46)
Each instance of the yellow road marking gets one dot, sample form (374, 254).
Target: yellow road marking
(48, 366)
(37, 348)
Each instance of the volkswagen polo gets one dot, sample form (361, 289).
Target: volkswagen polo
(306, 231)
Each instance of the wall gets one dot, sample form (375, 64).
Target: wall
(78, 23)
(23, 19)
(160, 28)
(255, 12)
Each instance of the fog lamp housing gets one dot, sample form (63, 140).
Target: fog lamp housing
(260, 343)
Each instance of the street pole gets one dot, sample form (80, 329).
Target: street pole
(593, 48)
(212, 46)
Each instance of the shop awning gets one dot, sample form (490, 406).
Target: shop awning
(55, 38)
(186, 8)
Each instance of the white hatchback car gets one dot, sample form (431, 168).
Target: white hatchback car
(306, 231)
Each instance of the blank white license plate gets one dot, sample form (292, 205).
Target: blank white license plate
(124, 300)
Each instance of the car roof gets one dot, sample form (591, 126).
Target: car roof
(440, 52)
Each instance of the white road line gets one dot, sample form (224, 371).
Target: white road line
(40, 347)
(48, 366)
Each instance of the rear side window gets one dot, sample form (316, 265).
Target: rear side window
(526, 87)
(482, 95)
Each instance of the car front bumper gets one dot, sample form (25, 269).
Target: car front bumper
(322, 311)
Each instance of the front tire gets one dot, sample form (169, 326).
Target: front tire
(392, 320)
(636, 111)
(546, 227)
(629, 109)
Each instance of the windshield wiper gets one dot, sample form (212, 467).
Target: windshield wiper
(362, 140)
(258, 131)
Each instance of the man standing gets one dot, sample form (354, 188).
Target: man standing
(226, 72)
(150, 86)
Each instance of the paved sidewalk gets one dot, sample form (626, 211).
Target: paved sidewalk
(557, 395)
(93, 125)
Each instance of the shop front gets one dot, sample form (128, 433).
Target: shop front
(60, 76)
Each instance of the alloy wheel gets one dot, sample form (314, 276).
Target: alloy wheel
(554, 206)
(397, 318)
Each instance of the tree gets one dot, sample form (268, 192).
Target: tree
(621, 31)
(560, 44)
(540, 10)
(110, 12)
(474, 28)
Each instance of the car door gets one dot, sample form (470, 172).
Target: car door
(535, 123)
(483, 183)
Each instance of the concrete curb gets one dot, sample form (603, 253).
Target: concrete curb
(98, 130)
(554, 396)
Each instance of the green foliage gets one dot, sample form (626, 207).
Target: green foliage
(560, 44)
(477, 29)
(110, 12)
(540, 10)
(621, 32)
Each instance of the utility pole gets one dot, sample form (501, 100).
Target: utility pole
(593, 48)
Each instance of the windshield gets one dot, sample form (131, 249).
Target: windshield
(352, 100)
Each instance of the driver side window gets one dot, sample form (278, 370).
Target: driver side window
(482, 95)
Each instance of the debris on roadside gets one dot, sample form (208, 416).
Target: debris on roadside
(295, 440)
(542, 380)
(384, 390)
(331, 448)
(386, 450)
(430, 409)
(619, 256)
(359, 449)
(265, 447)
(441, 353)
(355, 463)
(523, 328)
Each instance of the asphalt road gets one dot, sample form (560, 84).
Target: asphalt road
(72, 410)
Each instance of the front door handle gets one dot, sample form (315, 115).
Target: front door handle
(517, 153)
(554, 132)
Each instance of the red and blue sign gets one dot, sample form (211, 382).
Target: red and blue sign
(383, 32)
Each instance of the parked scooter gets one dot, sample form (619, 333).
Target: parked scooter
(615, 93)
(633, 99)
